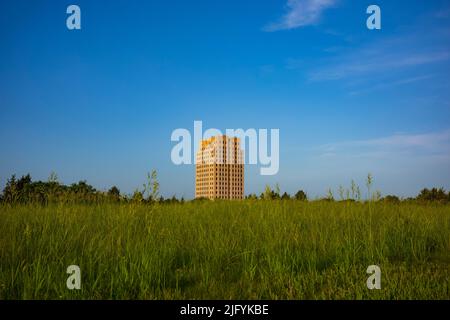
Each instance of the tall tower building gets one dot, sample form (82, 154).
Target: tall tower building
(219, 169)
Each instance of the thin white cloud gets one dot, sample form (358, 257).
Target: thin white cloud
(392, 84)
(293, 64)
(428, 144)
(442, 14)
(361, 64)
(301, 13)
(397, 60)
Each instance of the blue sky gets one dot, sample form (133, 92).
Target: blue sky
(100, 103)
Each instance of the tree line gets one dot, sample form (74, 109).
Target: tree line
(24, 190)
(425, 195)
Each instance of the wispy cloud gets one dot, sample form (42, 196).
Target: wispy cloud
(429, 144)
(266, 70)
(367, 63)
(301, 13)
(293, 64)
(397, 60)
(402, 163)
(392, 84)
(442, 14)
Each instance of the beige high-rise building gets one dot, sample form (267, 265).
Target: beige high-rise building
(219, 169)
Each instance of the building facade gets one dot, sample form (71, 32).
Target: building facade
(219, 169)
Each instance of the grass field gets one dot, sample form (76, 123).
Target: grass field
(226, 250)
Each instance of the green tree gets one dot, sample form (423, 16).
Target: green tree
(17, 190)
(276, 193)
(285, 196)
(391, 199)
(301, 195)
(114, 193)
(137, 197)
(252, 196)
(10, 192)
(434, 194)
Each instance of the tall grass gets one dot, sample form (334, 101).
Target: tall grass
(225, 250)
